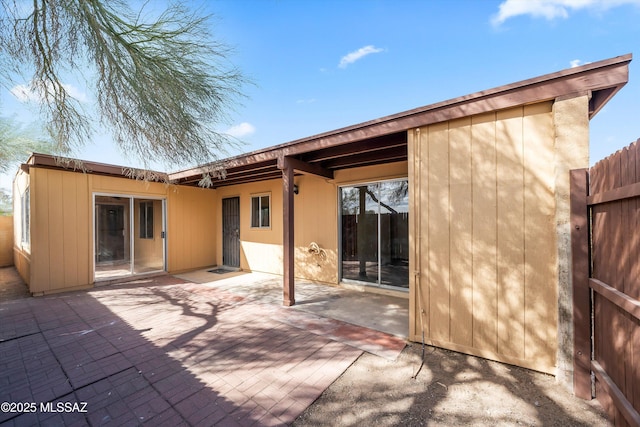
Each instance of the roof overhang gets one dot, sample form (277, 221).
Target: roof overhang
(54, 162)
(384, 140)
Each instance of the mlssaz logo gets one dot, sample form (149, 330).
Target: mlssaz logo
(63, 407)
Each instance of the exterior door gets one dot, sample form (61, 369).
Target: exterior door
(375, 234)
(231, 232)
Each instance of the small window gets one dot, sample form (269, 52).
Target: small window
(146, 220)
(260, 211)
(25, 210)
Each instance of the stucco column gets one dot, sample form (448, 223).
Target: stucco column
(571, 122)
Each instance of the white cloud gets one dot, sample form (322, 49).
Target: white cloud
(26, 93)
(551, 9)
(352, 57)
(243, 129)
(306, 101)
(577, 62)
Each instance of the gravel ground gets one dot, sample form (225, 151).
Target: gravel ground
(451, 389)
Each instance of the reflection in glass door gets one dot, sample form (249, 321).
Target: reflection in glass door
(148, 241)
(375, 233)
(129, 236)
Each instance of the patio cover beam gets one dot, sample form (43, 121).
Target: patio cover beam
(304, 167)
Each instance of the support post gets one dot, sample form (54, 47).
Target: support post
(288, 248)
(580, 278)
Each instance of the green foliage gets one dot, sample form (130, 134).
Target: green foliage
(161, 85)
(6, 206)
(18, 141)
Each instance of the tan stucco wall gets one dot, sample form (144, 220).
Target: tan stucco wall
(6, 240)
(571, 125)
(483, 237)
(316, 220)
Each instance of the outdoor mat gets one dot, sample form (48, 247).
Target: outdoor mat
(219, 271)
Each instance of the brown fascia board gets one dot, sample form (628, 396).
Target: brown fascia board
(603, 79)
(53, 162)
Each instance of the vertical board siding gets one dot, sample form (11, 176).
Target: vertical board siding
(484, 191)
(483, 214)
(39, 231)
(510, 232)
(541, 292)
(191, 230)
(616, 262)
(461, 232)
(423, 219)
(438, 206)
(60, 255)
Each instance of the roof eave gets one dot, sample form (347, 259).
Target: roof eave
(603, 79)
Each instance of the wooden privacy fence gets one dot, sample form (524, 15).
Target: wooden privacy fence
(605, 219)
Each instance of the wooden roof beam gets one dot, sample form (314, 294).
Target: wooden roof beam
(303, 167)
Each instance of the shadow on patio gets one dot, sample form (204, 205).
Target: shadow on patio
(161, 351)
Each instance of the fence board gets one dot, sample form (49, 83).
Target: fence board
(614, 205)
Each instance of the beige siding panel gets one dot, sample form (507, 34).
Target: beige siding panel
(483, 146)
(438, 206)
(56, 232)
(413, 156)
(191, 241)
(70, 229)
(540, 237)
(421, 215)
(510, 232)
(125, 186)
(483, 225)
(461, 233)
(84, 226)
(60, 253)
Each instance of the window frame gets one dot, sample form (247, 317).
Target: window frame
(25, 220)
(261, 212)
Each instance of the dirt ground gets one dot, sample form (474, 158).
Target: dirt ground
(451, 389)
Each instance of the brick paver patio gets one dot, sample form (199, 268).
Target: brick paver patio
(165, 351)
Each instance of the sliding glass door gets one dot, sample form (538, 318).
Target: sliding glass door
(374, 233)
(129, 236)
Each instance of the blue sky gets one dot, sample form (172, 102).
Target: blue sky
(322, 65)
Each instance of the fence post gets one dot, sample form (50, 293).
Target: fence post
(580, 283)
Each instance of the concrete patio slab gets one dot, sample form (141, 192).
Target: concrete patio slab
(164, 351)
(380, 312)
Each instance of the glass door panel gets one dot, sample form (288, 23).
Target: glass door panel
(148, 236)
(112, 242)
(129, 236)
(375, 233)
(359, 233)
(394, 233)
